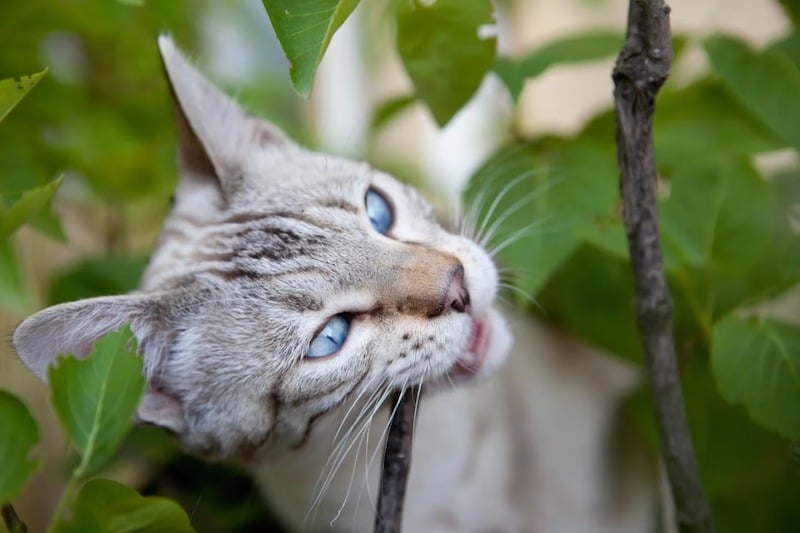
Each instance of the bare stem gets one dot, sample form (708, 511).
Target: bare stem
(396, 464)
(641, 68)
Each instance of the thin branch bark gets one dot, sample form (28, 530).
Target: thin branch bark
(12, 520)
(641, 68)
(396, 464)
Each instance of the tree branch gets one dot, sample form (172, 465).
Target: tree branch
(396, 464)
(641, 68)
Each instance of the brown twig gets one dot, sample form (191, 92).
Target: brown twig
(396, 464)
(641, 68)
(12, 520)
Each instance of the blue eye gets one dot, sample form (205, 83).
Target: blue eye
(378, 211)
(331, 338)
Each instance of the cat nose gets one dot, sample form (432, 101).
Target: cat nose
(457, 295)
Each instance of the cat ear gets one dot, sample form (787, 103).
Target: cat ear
(215, 135)
(74, 327)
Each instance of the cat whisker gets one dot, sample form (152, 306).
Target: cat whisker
(363, 434)
(342, 449)
(526, 296)
(531, 229)
(379, 446)
(353, 405)
(469, 223)
(514, 208)
(496, 202)
(385, 431)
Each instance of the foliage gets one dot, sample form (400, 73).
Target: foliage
(304, 29)
(13, 91)
(105, 505)
(18, 434)
(444, 52)
(95, 400)
(728, 223)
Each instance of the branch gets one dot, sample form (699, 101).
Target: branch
(396, 464)
(11, 520)
(641, 68)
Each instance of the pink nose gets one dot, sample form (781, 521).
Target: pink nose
(457, 296)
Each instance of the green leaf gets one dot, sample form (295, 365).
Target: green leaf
(18, 434)
(304, 29)
(728, 236)
(573, 49)
(443, 52)
(29, 204)
(97, 276)
(14, 90)
(389, 110)
(790, 46)
(13, 294)
(703, 122)
(757, 363)
(105, 506)
(743, 465)
(95, 398)
(591, 295)
(766, 83)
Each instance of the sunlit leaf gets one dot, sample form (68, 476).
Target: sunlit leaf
(18, 434)
(766, 83)
(444, 51)
(13, 90)
(95, 398)
(29, 204)
(573, 49)
(105, 506)
(304, 29)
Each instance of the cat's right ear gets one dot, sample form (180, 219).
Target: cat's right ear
(215, 135)
(74, 327)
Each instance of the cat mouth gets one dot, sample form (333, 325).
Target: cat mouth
(469, 364)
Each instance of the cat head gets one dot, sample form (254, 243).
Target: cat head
(284, 283)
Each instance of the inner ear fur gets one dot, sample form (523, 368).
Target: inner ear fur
(215, 135)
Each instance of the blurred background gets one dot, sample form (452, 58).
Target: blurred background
(101, 118)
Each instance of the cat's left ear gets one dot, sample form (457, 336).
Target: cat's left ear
(215, 135)
(74, 327)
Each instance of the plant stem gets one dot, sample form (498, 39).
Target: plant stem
(66, 500)
(641, 68)
(396, 464)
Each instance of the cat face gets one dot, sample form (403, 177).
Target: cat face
(284, 283)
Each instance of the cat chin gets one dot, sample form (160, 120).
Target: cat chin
(487, 350)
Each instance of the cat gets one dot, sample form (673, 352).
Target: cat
(290, 292)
